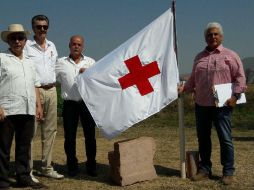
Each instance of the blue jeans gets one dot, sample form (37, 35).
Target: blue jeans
(206, 116)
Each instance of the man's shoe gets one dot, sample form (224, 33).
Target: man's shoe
(92, 173)
(73, 172)
(4, 185)
(227, 180)
(34, 178)
(91, 168)
(4, 188)
(52, 174)
(28, 182)
(201, 175)
(11, 180)
(72, 169)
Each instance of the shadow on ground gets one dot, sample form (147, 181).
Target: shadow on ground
(102, 171)
(243, 139)
(163, 171)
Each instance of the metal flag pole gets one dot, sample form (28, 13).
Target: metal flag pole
(180, 109)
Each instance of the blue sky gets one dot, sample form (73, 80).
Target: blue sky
(106, 24)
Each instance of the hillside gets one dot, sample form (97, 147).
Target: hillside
(242, 115)
(248, 64)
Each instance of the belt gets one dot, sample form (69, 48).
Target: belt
(76, 101)
(48, 86)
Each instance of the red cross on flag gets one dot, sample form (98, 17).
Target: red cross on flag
(134, 81)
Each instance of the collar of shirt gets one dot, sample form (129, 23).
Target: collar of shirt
(10, 54)
(218, 49)
(34, 43)
(73, 62)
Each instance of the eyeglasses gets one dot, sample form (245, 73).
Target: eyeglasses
(14, 38)
(39, 27)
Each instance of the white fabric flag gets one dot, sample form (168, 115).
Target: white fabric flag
(134, 81)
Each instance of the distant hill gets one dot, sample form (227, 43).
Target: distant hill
(248, 65)
(248, 62)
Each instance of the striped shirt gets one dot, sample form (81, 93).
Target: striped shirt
(45, 60)
(66, 72)
(17, 84)
(210, 68)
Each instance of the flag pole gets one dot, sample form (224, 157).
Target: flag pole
(180, 109)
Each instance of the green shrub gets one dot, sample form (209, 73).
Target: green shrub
(243, 115)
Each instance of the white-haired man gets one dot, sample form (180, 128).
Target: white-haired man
(215, 65)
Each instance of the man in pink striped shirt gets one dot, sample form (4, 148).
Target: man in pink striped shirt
(215, 65)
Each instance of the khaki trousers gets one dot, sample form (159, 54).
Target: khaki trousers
(48, 127)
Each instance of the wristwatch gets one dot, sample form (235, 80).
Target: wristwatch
(237, 95)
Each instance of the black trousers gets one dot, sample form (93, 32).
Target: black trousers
(72, 112)
(22, 126)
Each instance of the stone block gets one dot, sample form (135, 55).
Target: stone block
(132, 161)
(192, 159)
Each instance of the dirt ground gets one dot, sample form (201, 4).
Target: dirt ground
(166, 161)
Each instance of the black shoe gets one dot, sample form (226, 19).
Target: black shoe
(92, 173)
(4, 188)
(4, 185)
(91, 168)
(11, 180)
(73, 172)
(28, 182)
(73, 168)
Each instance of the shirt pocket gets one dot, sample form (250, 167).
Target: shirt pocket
(6, 71)
(220, 65)
(201, 66)
(51, 56)
(51, 61)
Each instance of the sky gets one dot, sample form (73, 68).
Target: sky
(106, 24)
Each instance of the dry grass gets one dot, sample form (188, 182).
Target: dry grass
(166, 161)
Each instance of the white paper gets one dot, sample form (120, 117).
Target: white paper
(223, 92)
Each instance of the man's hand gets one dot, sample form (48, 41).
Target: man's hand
(39, 113)
(180, 89)
(2, 114)
(39, 108)
(231, 101)
(81, 70)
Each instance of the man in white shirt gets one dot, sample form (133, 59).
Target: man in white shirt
(43, 52)
(74, 108)
(19, 104)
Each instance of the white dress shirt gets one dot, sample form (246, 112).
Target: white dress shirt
(45, 60)
(66, 72)
(17, 84)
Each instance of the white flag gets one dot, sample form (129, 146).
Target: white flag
(134, 81)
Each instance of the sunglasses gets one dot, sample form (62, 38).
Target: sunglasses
(14, 38)
(39, 27)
